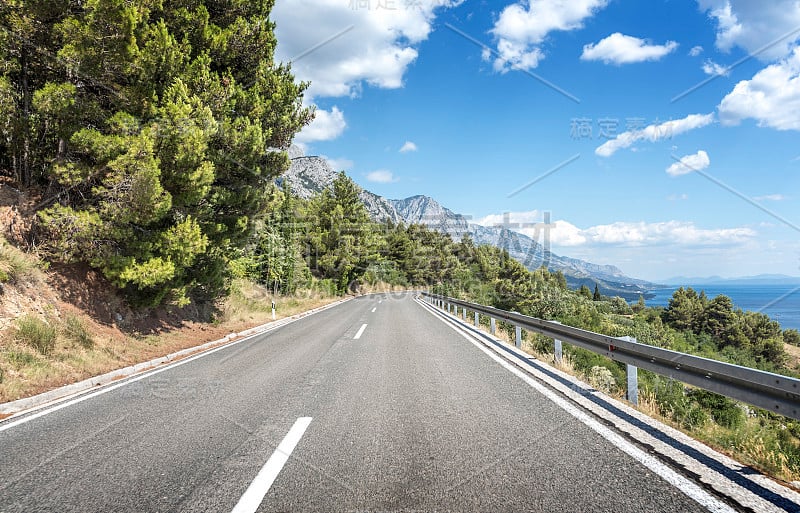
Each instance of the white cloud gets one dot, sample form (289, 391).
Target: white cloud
(408, 146)
(712, 68)
(381, 176)
(668, 232)
(522, 27)
(623, 234)
(695, 51)
(621, 49)
(771, 197)
(771, 97)
(517, 219)
(694, 162)
(768, 29)
(654, 133)
(326, 126)
(567, 234)
(374, 45)
(348, 48)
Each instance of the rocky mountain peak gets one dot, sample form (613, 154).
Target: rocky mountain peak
(309, 175)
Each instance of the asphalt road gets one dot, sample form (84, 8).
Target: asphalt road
(408, 417)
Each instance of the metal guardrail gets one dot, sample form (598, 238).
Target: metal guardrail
(773, 392)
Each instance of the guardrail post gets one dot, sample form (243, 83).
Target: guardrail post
(518, 338)
(632, 373)
(558, 351)
(477, 319)
(492, 325)
(633, 384)
(465, 314)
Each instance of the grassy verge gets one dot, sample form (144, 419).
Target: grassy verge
(42, 352)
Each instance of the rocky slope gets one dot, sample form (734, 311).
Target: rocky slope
(309, 175)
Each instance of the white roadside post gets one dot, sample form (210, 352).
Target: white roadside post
(273, 310)
(633, 378)
(558, 350)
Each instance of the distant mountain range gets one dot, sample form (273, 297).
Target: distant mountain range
(309, 175)
(761, 279)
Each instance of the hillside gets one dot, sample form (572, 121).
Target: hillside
(309, 175)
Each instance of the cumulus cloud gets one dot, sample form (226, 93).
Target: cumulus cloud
(654, 133)
(766, 29)
(349, 47)
(695, 162)
(522, 27)
(327, 125)
(771, 97)
(381, 176)
(408, 146)
(565, 234)
(695, 51)
(516, 219)
(668, 232)
(712, 68)
(684, 233)
(621, 49)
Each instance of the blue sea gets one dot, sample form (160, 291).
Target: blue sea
(780, 302)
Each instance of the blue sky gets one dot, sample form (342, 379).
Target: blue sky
(662, 137)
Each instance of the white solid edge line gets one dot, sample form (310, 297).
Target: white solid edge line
(685, 485)
(360, 332)
(251, 500)
(142, 376)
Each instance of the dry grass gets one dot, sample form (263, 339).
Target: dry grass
(16, 265)
(82, 348)
(252, 303)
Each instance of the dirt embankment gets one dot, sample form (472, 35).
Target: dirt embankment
(64, 323)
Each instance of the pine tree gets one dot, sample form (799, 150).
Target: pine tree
(597, 296)
(158, 127)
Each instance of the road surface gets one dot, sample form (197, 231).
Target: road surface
(378, 406)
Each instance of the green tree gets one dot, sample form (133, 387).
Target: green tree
(343, 242)
(154, 148)
(685, 310)
(596, 296)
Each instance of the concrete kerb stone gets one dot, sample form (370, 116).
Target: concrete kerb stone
(28, 403)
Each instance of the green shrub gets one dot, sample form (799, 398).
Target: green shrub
(76, 331)
(724, 411)
(36, 333)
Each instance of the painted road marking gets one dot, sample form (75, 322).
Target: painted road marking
(360, 332)
(255, 493)
(683, 484)
(373, 310)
